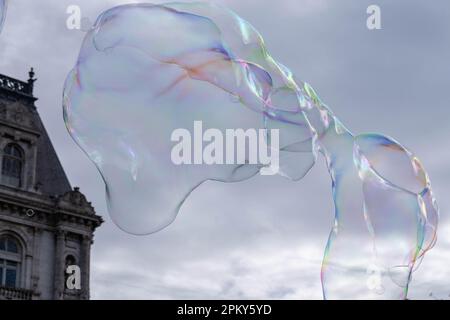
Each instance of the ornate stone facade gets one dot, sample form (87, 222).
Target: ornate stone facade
(45, 225)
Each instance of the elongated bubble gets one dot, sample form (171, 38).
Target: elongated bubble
(149, 77)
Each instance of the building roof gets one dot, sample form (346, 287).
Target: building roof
(50, 176)
(49, 171)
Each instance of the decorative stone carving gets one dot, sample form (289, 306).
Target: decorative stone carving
(76, 199)
(3, 109)
(19, 114)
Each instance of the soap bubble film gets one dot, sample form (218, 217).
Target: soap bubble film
(146, 70)
(2, 13)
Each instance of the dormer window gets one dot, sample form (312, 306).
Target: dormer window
(12, 165)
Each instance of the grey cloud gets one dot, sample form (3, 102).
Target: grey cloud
(392, 81)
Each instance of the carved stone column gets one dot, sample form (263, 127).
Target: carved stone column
(59, 265)
(36, 262)
(85, 265)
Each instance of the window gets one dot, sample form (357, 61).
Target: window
(70, 261)
(8, 273)
(8, 244)
(12, 165)
(9, 262)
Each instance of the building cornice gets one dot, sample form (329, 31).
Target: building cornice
(70, 210)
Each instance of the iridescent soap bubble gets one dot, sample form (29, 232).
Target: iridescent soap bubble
(145, 70)
(3, 6)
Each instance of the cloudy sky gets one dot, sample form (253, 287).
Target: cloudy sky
(263, 238)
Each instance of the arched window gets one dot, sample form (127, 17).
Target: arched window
(10, 260)
(70, 260)
(12, 165)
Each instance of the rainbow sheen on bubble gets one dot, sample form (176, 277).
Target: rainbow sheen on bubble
(146, 70)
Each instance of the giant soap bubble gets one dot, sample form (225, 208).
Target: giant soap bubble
(144, 71)
(2, 13)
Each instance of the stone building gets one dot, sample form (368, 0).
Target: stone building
(45, 225)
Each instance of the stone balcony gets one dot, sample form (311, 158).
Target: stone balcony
(15, 294)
